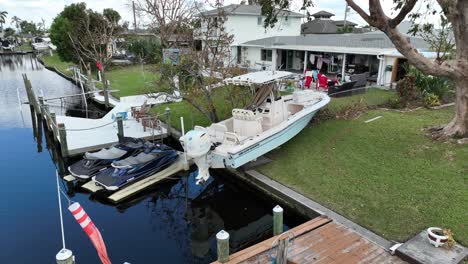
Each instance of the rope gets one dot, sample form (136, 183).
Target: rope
(60, 209)
(84, 129)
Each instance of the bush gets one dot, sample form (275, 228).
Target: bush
(431, 100)
(148, 50)
(442, 87)
(407, 90)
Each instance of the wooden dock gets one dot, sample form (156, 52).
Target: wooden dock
(318, 241)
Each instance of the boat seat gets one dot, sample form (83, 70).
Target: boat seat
(216, 132)
(231, 139)
(246, 123)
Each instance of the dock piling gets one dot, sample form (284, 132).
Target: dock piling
(222, 239)
(65, 256)
(168, 120)
(63, 139)
(120, 128)
(277, 220)
(53, 120)
(41, 104)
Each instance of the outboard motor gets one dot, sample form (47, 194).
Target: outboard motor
(197, 144)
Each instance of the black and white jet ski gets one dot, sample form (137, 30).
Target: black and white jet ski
(93, 162)
(136, 167)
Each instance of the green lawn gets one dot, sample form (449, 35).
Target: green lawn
(25, 47)
(132, 80)
(192, 116)
(129, 80)
(385, 175)
(55, 61)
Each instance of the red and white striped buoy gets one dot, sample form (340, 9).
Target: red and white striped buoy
(90, 229)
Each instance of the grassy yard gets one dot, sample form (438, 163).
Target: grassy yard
(55, 61)
(385, 175)
(25, 47)
(192, 116)
(130, 80)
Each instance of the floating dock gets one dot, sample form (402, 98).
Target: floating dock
(140, 185)
(318, 241)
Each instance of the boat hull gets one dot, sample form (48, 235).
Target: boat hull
(264, 146)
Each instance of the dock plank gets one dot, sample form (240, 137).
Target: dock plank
(320, 241)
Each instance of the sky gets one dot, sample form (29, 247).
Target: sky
(35, 10)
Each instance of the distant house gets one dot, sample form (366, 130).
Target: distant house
(321, 24)
(245, 23)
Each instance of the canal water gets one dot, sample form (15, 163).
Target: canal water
(174, 222)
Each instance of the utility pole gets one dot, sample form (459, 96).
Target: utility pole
(134, 17)
(345, 15)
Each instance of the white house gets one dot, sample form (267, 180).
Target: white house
(245, 23)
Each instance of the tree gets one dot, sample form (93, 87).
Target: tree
(3, 15)
(16, 21)
(201, 67)
(93, 43)
(9, 32)
(28, 27)
(167, 17)
(68, 21)
(456, 68)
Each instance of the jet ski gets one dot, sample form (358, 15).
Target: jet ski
(93, 162)
(136, 167)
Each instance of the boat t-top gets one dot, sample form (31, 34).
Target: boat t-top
(266, 123)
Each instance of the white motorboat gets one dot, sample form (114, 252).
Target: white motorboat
(267, 123)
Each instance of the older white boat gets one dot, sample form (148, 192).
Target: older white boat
(268, 122)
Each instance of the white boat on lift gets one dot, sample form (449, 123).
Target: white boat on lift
(266, 123)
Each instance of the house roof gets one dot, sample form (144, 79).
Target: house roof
(319, 26)
(246, 10)
(364, 43)
(341, 23)
(323, 13)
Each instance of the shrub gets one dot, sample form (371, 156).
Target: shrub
(147, 49)
(407, 90)
(442, 87)
(431, 100)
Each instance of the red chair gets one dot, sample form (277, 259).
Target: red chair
(323, 82)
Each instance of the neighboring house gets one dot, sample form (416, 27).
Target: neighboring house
(336, 54)
(245, 23)
(321, 24)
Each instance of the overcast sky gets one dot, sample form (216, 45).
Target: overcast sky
(48, 9)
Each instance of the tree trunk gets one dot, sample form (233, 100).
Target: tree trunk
(458, 127)
(106, 90)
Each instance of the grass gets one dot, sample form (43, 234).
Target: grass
(129, 80)
(55, 61)
(25, 47)
(192, 116)
(385, 175)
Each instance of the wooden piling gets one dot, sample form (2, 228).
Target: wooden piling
(282, 251)
(222, 239)
(277, 220)
(63, 139)
(120, 128)
(168, 121)
(53, 124)
(65, 256)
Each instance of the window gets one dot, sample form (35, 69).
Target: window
(259, 20)
(287, 21)
(239, 54)
(266, 55)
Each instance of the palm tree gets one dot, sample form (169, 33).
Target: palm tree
(16, 20)
(3, 15)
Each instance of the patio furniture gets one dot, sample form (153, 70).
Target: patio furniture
(345, 89)
(360, 79)
(141, 111)
(151, 122)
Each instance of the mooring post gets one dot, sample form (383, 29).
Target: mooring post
(53, 125)
(282, 251)
(65, 256)
(63, 139)
(168, 120)
(277, 220)
(41, 104)
(222, 239)
(120, 128)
